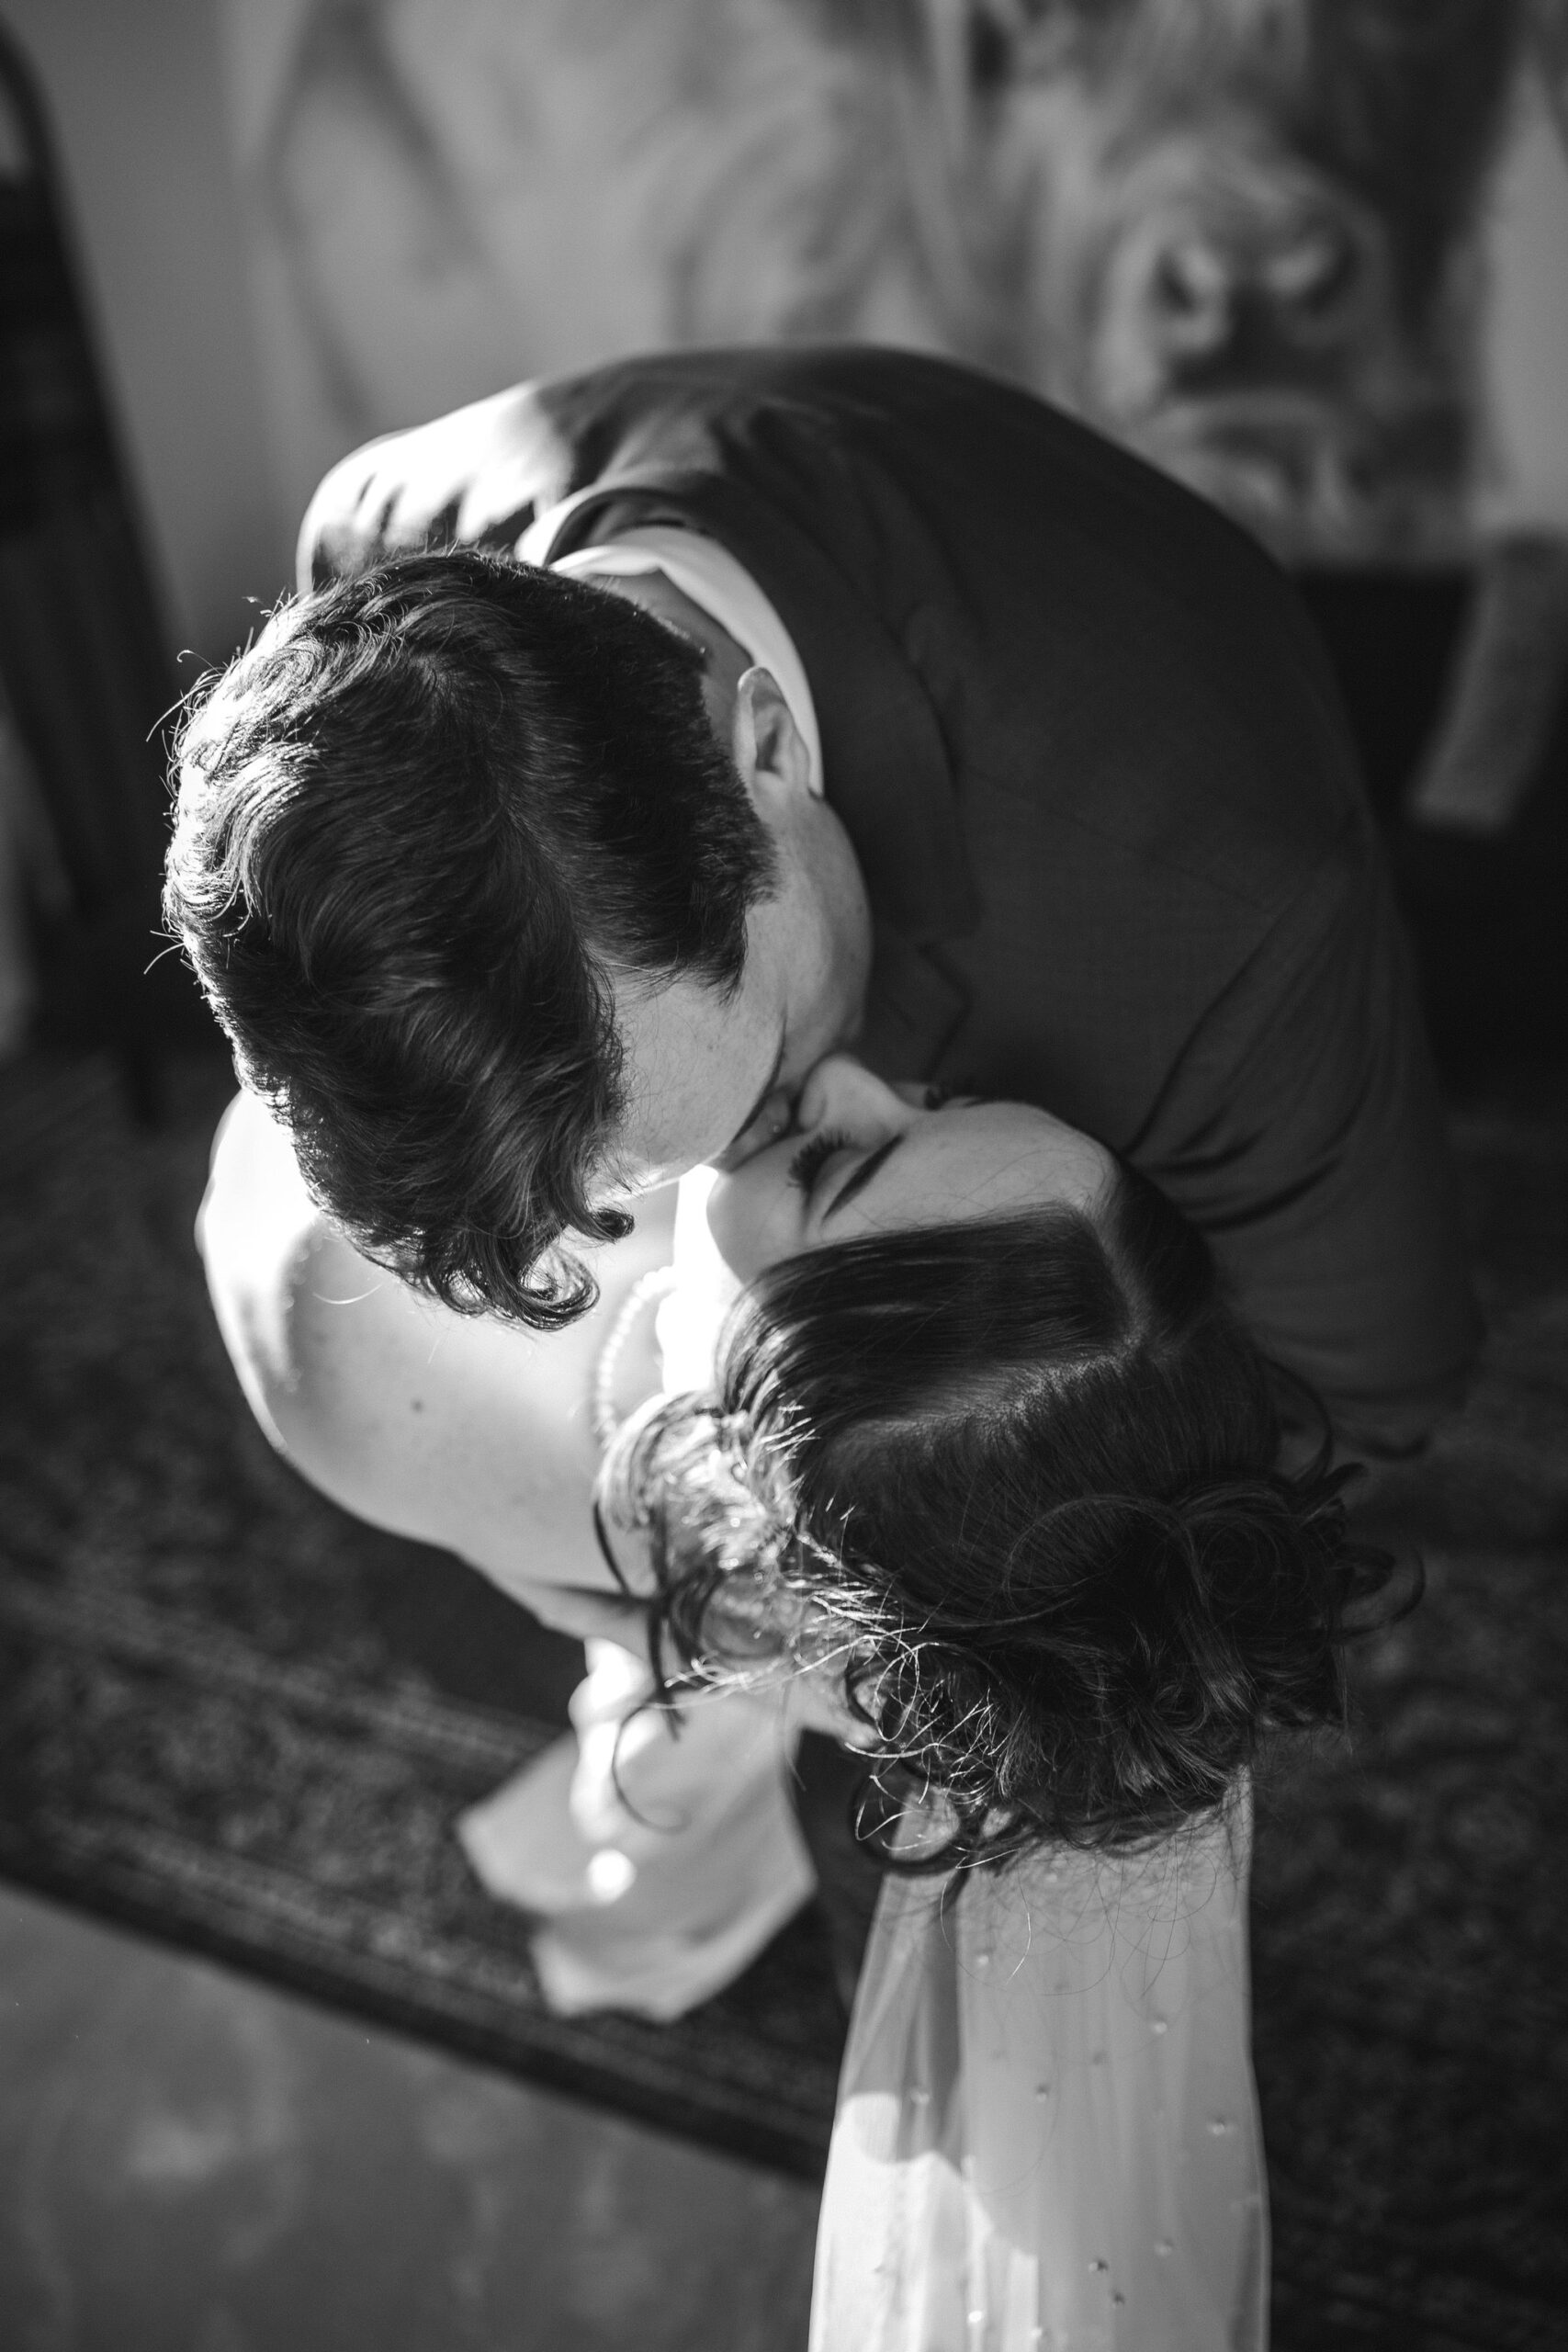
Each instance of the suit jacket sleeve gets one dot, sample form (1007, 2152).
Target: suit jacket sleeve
(1300, 1128)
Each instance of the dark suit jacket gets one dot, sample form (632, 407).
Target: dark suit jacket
(1096, 776)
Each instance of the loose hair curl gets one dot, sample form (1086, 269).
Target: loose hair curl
(1019, 1481)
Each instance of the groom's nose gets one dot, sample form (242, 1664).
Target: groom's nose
(841, 1091)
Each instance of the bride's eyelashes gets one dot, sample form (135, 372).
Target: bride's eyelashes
(813, 1156)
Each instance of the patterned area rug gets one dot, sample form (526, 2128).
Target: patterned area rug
(1410, 1905)
(241, 1721)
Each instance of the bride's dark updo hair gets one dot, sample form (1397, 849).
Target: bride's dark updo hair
(1019, 1479)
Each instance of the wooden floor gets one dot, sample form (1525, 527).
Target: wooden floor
(192, 2163)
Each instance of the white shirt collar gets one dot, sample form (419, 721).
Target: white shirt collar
(711, 576)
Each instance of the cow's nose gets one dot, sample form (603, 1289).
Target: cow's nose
(1192, 290)
(1312, 280)
(1303, 282)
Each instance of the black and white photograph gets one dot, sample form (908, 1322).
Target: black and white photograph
(783, 1175)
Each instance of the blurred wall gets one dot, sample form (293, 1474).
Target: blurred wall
(446, 194)
(136, 92)
(305, 427)
(226, 389)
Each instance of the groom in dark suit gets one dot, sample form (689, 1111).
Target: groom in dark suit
(1091, 832)
(639, 738)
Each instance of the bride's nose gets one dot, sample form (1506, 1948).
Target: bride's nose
(841, 1092)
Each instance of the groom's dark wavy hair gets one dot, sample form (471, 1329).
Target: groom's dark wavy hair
(420, 823)
(1020, 1479)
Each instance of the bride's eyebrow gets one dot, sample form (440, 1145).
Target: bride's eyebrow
(862, 1176)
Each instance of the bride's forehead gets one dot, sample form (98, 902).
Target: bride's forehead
(1000, 1116)
(991, 1153)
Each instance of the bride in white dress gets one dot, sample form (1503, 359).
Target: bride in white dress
(981, 1474)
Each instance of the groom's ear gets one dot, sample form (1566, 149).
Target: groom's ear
(768, 746)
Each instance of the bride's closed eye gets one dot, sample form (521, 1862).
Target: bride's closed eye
(813, 1156)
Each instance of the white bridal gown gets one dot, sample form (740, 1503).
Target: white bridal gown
(1046, 2137)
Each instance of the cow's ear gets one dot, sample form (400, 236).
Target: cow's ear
(1020, 40)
